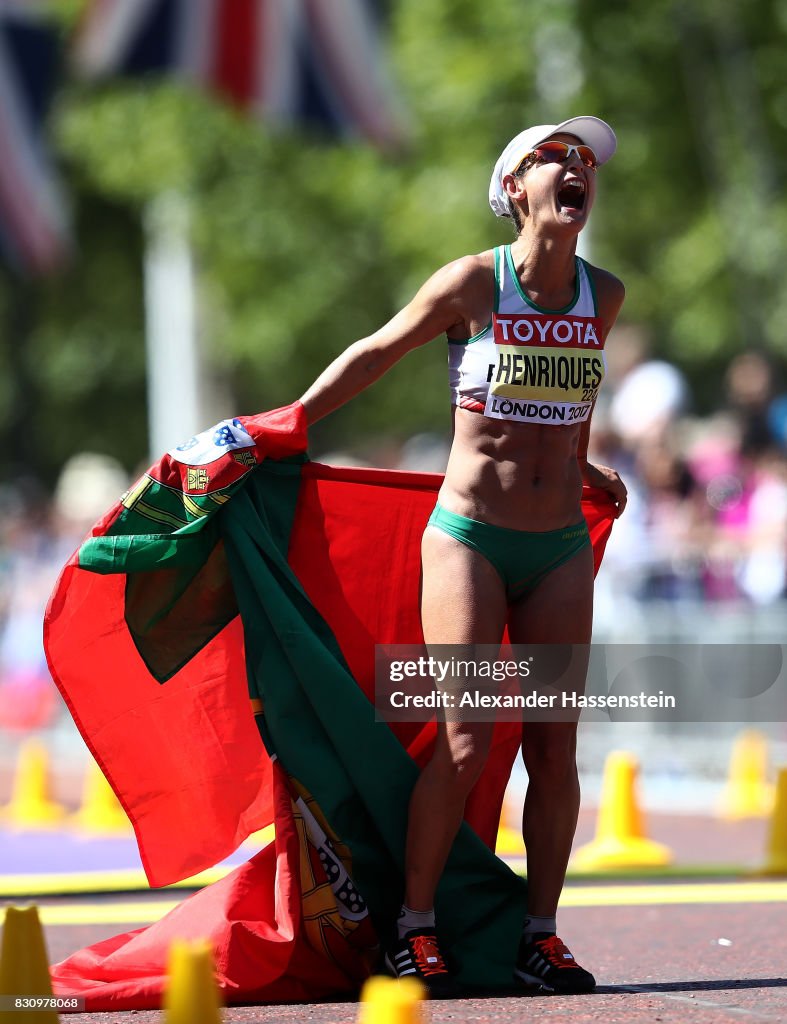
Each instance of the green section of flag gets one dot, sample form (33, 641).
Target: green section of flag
(162, 527)
(178, 592)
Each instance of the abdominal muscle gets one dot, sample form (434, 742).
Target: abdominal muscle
(522, 476)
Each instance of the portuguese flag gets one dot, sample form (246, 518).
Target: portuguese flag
(214, 640)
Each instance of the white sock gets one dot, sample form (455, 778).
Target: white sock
(539, 926)
(413, 920)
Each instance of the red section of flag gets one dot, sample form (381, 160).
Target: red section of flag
(356, 549)
(186, 758)
(254, 921)
(183, 758)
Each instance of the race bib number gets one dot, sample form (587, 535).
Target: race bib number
(546, 370)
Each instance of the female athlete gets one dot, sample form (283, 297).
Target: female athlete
(507, 543)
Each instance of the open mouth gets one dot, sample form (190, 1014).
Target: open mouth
(571, 194)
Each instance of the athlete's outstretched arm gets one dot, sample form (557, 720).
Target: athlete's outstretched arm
(439, 305)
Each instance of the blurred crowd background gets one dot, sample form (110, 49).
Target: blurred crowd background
(703, 540)
(302, 225)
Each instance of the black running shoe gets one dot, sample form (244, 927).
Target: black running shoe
(417, 955)
(549, 964)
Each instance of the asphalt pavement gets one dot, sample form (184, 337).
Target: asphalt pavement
(699, 963)
(703, 943)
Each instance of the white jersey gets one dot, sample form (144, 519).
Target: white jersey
(531, 364)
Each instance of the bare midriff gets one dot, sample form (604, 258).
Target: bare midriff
(523, 476)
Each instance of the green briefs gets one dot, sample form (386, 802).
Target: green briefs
(522, 558)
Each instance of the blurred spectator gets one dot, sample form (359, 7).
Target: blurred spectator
(673, 511)
(649, 400)
(715, 459)
(761, 572)
(36, 538)
(89, 484)
(649, 394)
(707, 514)
(742, 470)
(28, 563)
(750, 386)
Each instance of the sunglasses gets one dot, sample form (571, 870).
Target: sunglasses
(558, 153)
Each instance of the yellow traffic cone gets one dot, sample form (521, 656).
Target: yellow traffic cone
(100, 812)
(24, 965)
(620, 840)
(31, 806)
(776, 851)
(747, 794)
(509, 841)
(192, 996)
(388, 1001)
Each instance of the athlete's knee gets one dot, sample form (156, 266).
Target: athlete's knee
(461, 762)
(550, 755)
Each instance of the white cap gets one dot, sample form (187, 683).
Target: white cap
(592, 131)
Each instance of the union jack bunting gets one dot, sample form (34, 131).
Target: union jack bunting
(34, 236)
(289, 61)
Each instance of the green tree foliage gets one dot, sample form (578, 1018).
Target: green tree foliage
(697, 222)
(303, 244)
